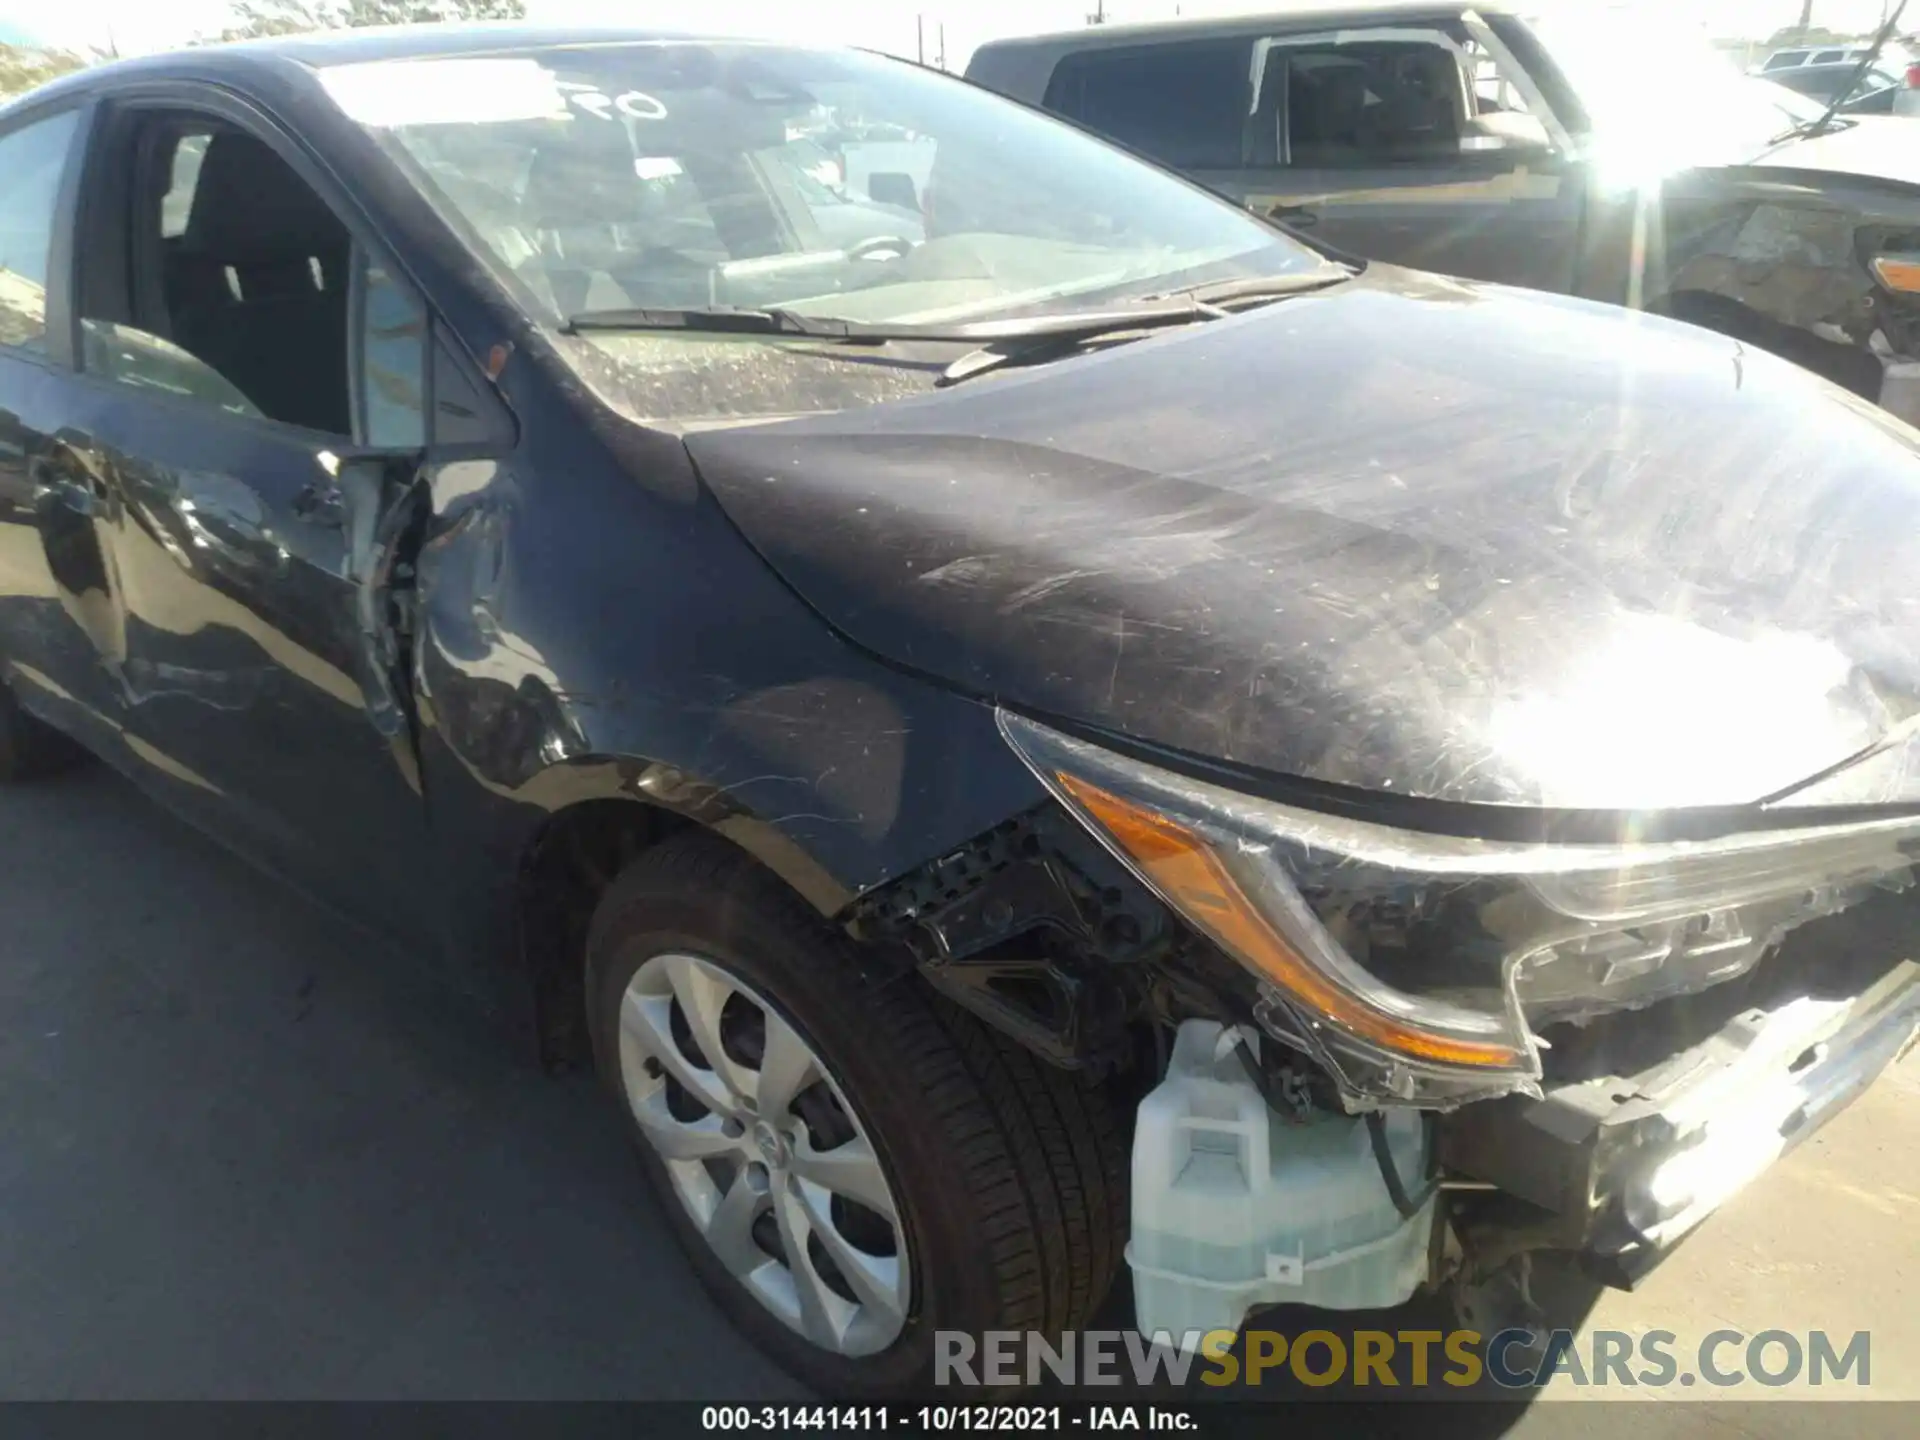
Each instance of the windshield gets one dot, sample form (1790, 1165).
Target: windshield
(688, 175)
(1666, 91)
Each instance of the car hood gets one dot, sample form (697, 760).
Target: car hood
(1410, 535)
(1875, 146)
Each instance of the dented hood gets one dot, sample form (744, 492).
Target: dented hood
(1409, 535)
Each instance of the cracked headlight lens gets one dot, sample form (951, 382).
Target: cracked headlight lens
(1417, 967)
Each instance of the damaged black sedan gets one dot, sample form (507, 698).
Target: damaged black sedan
(1024, 719)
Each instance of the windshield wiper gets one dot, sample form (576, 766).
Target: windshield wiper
(1019, 340)
(1204, 302)
(1845, 92)
(719, 319)
(738, 320)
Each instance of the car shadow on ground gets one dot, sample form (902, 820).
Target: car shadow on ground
(1484, 1407)
(254, 1154)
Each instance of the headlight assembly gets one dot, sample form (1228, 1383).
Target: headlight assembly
(1417, 967)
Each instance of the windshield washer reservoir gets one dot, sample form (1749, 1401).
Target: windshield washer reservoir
(1236, 1206)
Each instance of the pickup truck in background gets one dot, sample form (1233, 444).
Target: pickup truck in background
(1567, 155)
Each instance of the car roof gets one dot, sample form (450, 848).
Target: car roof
(405, 42)
(343, 47)
(1251, 19)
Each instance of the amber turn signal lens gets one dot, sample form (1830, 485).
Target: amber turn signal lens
(1898, 272)
(1184, 868)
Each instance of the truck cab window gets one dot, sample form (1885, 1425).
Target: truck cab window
(1391, 97)
(1185, 105)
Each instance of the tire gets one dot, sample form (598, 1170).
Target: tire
(31, 749)
(1006, 1177)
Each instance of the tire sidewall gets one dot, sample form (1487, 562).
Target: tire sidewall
(821, 989)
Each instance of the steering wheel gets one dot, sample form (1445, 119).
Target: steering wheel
(876, 245)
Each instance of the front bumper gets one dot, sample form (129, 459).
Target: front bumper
(1624, 1166)
(1900, 388)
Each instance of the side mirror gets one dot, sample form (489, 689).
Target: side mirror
(893, 187)
(1506, 132)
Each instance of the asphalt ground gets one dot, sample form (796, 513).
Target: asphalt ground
(245, 1153)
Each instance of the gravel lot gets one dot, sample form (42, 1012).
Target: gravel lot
(246, 1153)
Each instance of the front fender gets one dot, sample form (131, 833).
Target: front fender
(610, 639)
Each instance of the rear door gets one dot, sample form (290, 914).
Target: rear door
(60, 615)
(252, 398)
(1184, 103)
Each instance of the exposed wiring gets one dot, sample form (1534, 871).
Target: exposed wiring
(1406, 1204)
(1262, 1081)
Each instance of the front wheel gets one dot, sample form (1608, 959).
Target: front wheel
(852, 1165)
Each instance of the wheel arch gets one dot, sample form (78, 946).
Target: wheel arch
(603, 814)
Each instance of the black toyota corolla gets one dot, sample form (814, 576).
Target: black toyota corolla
(1023, 719)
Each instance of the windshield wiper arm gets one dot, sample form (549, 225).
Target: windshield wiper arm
(1175, 307)
(1024, 346)
(1845, 92)
(1262, 287)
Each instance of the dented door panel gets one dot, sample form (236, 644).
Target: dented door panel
(59, 613)
(244, 671)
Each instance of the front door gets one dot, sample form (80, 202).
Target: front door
(1417, 144)
(252, 398)
(1510, 224)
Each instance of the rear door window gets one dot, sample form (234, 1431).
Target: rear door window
(1185, 105)
(33, 161)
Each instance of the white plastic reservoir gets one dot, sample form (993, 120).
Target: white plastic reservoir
(1235, 1206)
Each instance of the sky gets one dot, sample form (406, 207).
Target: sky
(141, 25)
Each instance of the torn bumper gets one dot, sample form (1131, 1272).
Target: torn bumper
(1629, 1165)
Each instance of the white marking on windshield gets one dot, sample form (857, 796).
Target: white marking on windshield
(388, 93)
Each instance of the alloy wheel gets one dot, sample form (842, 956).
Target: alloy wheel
(765, 1153)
